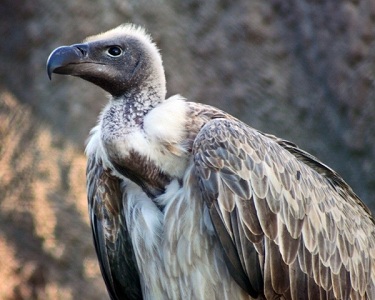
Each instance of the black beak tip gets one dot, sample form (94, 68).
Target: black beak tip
(49, 72)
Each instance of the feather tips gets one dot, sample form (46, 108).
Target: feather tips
(303, 213)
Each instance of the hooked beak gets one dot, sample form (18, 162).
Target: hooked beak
(65, 59)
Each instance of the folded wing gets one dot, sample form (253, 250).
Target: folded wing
(112, 241)
(288, 224)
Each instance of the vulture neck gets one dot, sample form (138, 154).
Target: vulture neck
(125, 115)
(138, 101)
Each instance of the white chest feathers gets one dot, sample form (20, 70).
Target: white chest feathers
(161, 138)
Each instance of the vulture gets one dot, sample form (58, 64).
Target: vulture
(188, 202)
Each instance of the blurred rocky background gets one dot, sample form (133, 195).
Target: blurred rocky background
(302, 70)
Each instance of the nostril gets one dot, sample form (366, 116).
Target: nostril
(82, 48)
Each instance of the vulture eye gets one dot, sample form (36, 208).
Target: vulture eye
(114, 51)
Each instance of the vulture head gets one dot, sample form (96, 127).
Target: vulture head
(119, 61)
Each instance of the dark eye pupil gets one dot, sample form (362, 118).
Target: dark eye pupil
(114, 51)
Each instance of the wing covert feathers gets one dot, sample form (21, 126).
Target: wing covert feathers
(313, 236)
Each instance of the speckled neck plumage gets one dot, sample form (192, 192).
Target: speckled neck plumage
(134, 105)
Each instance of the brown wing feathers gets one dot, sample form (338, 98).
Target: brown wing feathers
(111, 239)
(312, 238)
